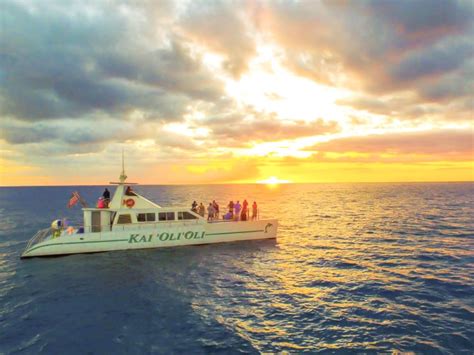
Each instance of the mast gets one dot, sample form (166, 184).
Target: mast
(123, 177)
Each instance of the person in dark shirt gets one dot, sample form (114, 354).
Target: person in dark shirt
(106, 198)
(243, 214)
(106, 194)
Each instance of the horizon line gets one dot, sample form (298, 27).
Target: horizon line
(257, 183)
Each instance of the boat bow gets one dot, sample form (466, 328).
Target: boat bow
(39, 237)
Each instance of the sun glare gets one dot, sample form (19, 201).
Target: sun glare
(273, 180)
(270, 87)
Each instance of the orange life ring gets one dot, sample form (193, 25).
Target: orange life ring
(130, 203)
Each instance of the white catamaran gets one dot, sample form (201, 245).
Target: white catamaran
(133, 222)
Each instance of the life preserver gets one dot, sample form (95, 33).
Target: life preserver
(130, 203)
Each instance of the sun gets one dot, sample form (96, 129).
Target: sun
(273, 180)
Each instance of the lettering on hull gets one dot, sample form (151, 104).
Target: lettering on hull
(165, 237)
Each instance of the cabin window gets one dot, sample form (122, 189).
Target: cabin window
(146, 217)
(166, 216)
(186, 215)
(124, 219)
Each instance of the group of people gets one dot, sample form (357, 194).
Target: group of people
(212, 209)
(236, 211)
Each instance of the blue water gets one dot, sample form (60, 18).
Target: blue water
(356, 268)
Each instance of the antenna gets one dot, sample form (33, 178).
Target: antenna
(123, 177)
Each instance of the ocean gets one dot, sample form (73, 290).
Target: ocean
(356, 268)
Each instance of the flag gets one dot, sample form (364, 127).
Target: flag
(73, 200)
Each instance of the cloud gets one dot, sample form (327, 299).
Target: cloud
(442, 58)
(455, 85)
(172, 69)
(423, 17)
(374, 46)
(84, 79)
(71, 132)
(442, 144)
(56, 64)
(395, 107)
(237, 130)
(222, 27)
(173, 140)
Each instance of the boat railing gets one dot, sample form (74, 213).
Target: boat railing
(40, 236)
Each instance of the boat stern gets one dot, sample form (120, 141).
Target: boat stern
(270, 228)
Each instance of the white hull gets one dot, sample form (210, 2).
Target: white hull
(156, 235)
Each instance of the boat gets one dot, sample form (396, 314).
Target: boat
(131, 221)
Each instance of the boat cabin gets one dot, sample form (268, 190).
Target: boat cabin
(106, 220)
(129, 209)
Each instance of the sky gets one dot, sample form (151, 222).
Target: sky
(203, 92)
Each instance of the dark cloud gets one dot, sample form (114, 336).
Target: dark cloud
(455, 85)
(16, 134)
(172, 69)
(71, 132)
(54, 65)
(425, 16)
(440, 59)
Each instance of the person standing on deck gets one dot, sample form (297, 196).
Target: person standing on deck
(245, 205)
(201, 210)
(237, 208)
(210, 212)
(254, 210)
(106, 196)
(231, 207)
(194, 206)
(244, 214)
(216, 208)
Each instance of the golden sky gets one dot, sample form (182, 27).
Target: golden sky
(236, 91)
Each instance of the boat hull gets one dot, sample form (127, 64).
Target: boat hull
(158, 235)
